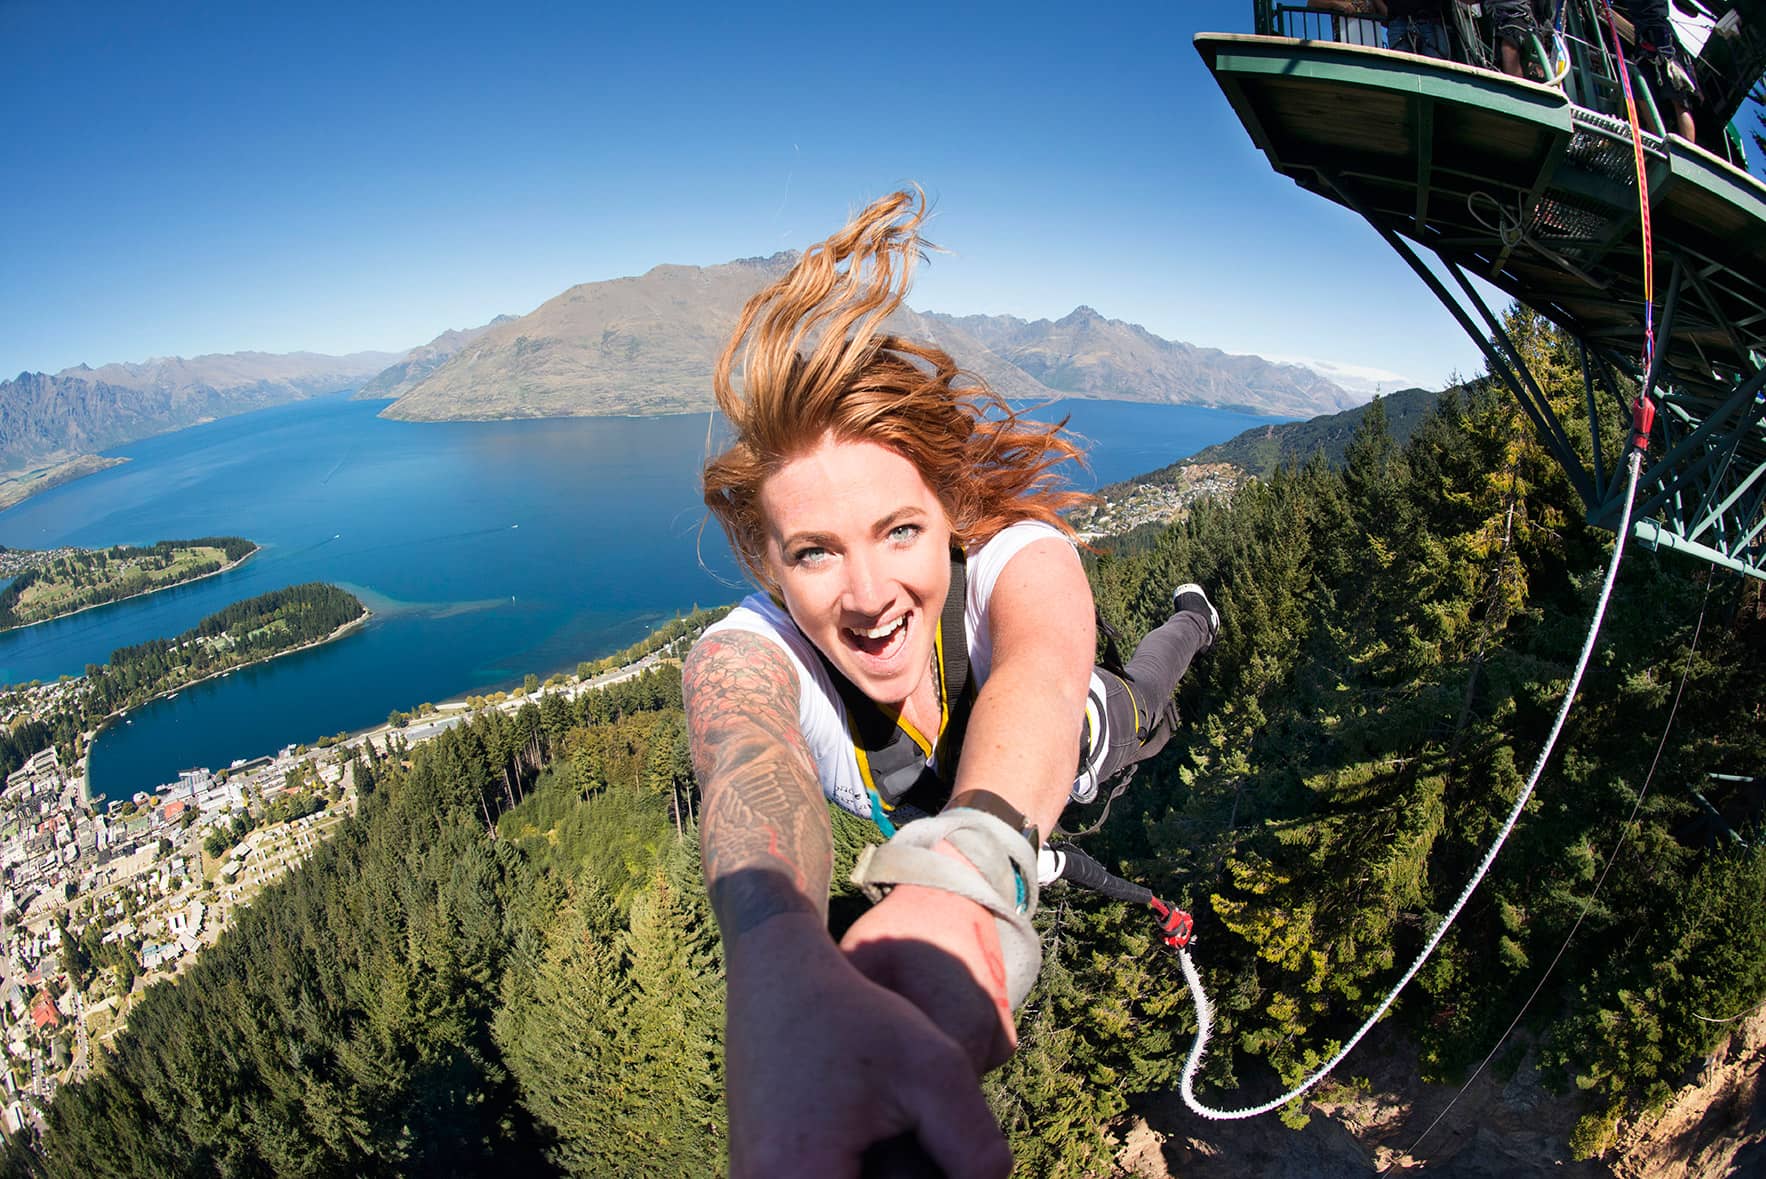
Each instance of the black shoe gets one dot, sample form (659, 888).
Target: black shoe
(1190, 598)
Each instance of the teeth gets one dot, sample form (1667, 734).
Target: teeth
(877, 632)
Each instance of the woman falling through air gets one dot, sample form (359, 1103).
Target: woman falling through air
(896, 522)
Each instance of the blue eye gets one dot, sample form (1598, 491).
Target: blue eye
(810, 555)
(905, 533)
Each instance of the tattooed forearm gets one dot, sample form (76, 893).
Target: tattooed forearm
(764, 826)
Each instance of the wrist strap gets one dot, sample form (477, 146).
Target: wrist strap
(1006, 884)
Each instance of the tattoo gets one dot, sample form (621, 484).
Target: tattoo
(763, 829)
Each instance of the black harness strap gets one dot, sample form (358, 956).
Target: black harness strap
(891, 761)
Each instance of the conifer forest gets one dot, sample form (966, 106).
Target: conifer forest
(78, 580)
(506, 959)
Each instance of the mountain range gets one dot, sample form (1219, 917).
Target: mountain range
(51, 424)
(398, 379)
(1084, 354)
(648, 344)
(640, 345)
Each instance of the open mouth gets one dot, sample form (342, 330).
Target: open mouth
(881, 641)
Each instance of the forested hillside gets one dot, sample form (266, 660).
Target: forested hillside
(1396, 638)
(394, 1006)
(1262, 450)
(506, 959)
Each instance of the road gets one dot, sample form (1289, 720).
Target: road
(457, 712)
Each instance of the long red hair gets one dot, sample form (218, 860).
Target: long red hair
(816, 360)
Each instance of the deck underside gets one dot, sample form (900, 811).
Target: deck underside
(1508, 181)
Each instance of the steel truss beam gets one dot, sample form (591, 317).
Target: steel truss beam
(1705, 495)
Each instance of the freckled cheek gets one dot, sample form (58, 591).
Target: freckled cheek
(809, 603)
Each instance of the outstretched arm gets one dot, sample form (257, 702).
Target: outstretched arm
(1022, 744)
(820, 1062)
(764, 830)
(1023, 738)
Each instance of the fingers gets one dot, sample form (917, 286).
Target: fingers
(822, 1063)
(921, 1098)
(901, 1157)
(953, 1127)
(941, 953)
(944, 989)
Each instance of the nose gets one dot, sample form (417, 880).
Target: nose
(868, 591)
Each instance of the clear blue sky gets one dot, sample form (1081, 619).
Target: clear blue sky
(185, 178)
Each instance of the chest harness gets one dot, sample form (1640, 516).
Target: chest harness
(908, 775)
(899, 765)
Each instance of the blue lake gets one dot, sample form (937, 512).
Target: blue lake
(485, 550)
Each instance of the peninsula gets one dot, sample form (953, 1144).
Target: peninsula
(18, 486)
(55, 583)
(69, 714)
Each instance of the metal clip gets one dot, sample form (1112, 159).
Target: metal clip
(1175, 926)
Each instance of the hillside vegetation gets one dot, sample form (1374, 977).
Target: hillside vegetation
(505, 962)
(1261, 450)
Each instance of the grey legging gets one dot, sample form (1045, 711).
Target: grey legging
(1138, 710)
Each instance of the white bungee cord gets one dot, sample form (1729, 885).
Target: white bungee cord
(1205, 1009)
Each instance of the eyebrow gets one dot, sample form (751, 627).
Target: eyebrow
(898, 516)
(905, 514)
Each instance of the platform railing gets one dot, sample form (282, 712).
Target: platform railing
(1592, 80)
(1310, 24)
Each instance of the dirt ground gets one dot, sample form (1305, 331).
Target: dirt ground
(1715, 1127)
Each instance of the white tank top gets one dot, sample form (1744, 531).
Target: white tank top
(820, 711)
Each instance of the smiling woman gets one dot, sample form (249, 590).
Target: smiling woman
(923, 647)
(860, 550)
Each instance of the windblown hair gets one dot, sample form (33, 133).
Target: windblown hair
(816, 360)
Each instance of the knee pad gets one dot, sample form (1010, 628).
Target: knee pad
(1094, 742)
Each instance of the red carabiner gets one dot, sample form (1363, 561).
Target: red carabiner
(1175, 925)
(1643, 419)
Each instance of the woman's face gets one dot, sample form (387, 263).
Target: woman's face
(860, 548)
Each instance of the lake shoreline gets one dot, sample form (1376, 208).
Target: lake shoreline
(18, 486)
(609, 540)
(87, 739)
(255, 550)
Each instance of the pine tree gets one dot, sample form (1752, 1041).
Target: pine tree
(675, 1079)
(561, 1030)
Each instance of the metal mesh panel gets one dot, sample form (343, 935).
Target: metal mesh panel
(1603, 155)
(1561, 215)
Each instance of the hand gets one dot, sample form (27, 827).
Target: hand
(941, 952)
(822, 1063)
